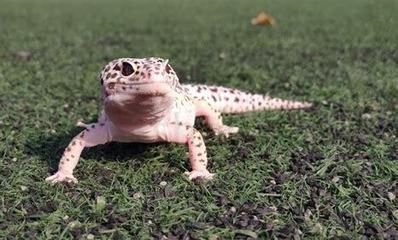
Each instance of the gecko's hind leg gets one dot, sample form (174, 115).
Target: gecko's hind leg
(213, 118)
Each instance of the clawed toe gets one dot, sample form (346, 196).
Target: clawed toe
(226, 130)
(60, 177)
(202, 174)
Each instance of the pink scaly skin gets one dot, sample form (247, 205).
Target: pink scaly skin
(144, 102)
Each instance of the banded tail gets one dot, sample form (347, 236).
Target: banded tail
(229, 100)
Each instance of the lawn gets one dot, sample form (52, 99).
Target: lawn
(330, 172)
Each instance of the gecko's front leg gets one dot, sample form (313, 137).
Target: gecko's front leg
(197, 149)
(95, 134)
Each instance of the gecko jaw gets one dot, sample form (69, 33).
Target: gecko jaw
(123, 91)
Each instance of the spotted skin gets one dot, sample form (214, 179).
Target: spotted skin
(143, 101)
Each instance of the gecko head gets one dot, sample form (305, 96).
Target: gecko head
(127, 78)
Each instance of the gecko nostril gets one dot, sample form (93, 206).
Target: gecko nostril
(111, 85)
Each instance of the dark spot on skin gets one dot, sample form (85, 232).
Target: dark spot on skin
(107, 68)
(202, 160)
(259, 103)
(199, 145)
(124, 88)
(232, 91)
(88, 130)
(93, 126)
(199, 89)
(73, 156)
(213, 89)
(236, 99)
(214, 98)
(127, 69)
(113, 75)
(62, 162)
(111, 85)
(199, 154)
(136, 73)
(67, 159)
(102, 81)
(117, 68)
(81, 135)
(142, 74)
(68, 149)
(187, 127)
(102, 124)
(168, 68)
(180, 123)
(226, 99)
(73, 143)
(108, 76)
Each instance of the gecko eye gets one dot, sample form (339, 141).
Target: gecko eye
(127, 69)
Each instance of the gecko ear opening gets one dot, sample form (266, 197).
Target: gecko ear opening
(127, 69)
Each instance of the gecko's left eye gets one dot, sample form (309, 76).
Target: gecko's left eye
(127, 69)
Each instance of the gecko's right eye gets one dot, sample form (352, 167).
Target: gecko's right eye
(127, 69)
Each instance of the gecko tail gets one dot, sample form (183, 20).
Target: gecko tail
(247, 102)
(229, 100)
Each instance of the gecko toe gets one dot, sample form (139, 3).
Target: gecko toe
(226, 130)
(60, 177)
(199, 174)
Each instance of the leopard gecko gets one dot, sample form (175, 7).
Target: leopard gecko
(143, 101)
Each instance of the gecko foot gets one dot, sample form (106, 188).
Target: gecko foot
(82, 124)
(61, 177)
(199, 174)
(225, 130)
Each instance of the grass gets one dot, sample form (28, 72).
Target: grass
(327, 173)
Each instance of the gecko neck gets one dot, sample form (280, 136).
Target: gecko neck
(138, 110)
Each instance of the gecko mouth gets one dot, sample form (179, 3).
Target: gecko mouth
(153, 88)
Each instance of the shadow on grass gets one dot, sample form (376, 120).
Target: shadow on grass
(50, 148)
